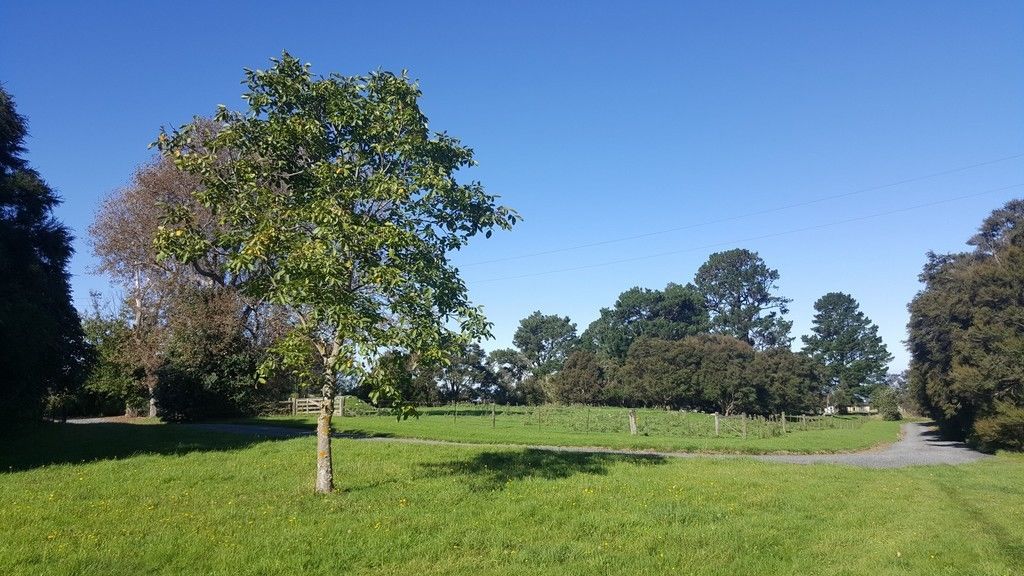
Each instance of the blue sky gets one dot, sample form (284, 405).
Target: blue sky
(596, 121)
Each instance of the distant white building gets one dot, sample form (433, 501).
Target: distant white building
(857, 409)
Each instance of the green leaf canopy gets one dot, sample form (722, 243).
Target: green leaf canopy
(335, 200)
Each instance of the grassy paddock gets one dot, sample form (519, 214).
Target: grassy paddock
(169, 500)
(609, 427)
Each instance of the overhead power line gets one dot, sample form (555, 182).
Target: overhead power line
(750, 238)
(744, 215)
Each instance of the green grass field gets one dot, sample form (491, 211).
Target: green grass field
(164, 499)
(609, 427)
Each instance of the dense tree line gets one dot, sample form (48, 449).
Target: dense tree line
(966, 335)
(707, 372)
(719, 344)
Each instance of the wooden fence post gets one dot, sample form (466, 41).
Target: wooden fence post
(493, 417)
(716, 423)
(744, 424)
(341, 405)
(632, 421)
(295, 406)
(783, 422)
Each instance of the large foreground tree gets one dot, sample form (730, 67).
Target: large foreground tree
(334, 200)
(42, 349)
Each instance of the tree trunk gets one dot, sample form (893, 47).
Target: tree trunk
(324, 468)
(151, 409)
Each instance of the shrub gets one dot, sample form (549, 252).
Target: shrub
(886, 401)
(210, 361)
(1004, 430)
(787, 381)
(580, 381)
(58, 405)
(115, 383)
(222, 387)
(531, 391)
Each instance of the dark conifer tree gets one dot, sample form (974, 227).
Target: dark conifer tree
(42, 349)
(739, 292)
(847, 344)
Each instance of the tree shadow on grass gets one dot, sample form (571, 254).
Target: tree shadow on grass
(354, 433)
(494, 470)
(296, 425)
(934, 436)
(298, 422)
(47, 444)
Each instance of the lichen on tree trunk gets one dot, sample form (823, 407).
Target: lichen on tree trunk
(324, 467)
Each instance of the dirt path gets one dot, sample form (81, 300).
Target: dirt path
(918, 446)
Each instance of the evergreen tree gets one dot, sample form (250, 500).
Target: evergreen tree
(510, 368)
(738, 289)
(42, 349)
(670, 314)
(847, 344)
(466, 376)
(787, 381)
(581, 379)
(966, 338)
(545, 340)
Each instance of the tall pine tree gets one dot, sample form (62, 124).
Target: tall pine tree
(41, 343)
(847, 344)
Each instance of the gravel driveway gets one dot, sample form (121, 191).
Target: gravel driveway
(918, 446)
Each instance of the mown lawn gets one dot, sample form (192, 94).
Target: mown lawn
(171, 500)
(608, 427)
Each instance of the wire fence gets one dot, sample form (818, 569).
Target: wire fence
(596, 419)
